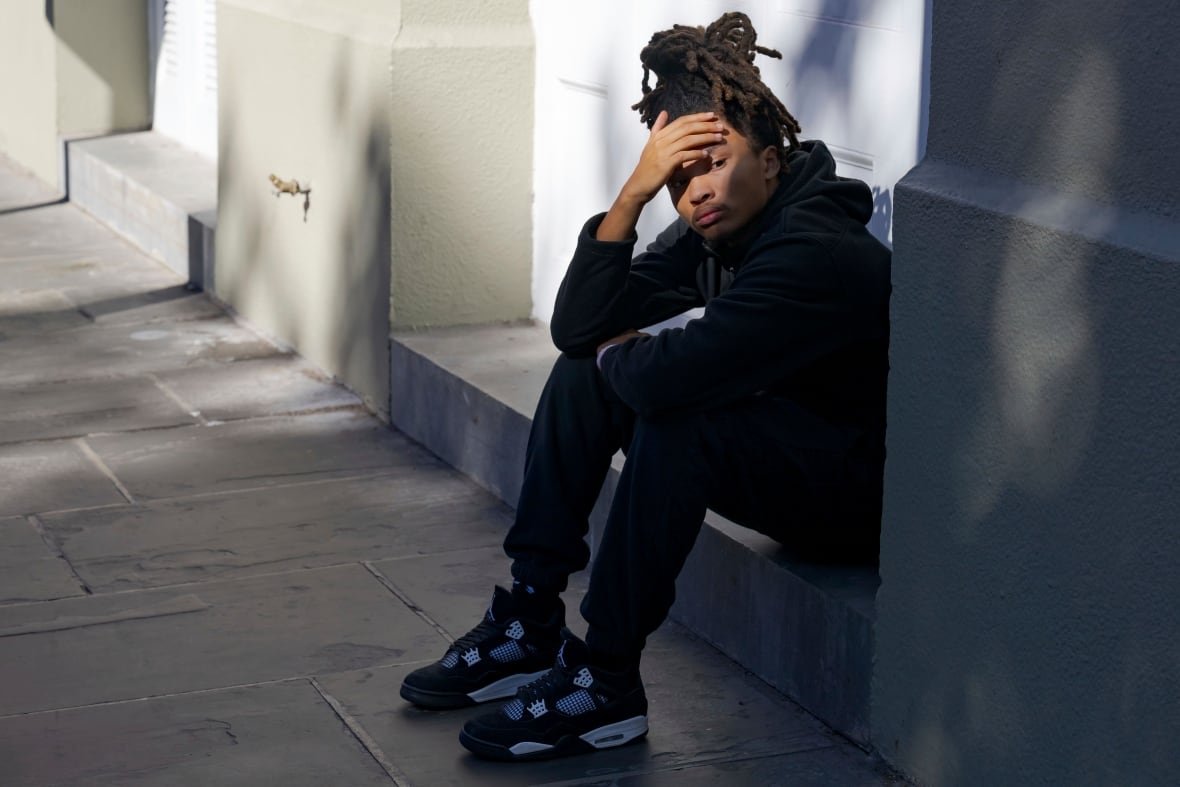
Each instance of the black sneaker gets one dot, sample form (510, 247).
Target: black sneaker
(505, 651)
(574, 708)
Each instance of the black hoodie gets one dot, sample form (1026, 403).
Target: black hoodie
(800, 310)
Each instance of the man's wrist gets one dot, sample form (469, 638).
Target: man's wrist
(622, 338)
(632, 201)
(603, 351)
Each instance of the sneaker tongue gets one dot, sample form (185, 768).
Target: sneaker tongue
(501, 606)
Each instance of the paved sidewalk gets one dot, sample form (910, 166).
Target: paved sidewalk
(216, 566)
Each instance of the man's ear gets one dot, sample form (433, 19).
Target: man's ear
(771, 166)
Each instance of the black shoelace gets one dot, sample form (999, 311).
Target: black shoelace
(545, 686)
(476, 636)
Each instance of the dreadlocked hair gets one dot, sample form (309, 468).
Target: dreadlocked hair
(712, 68)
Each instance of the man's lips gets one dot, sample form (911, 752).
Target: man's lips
(706, 215)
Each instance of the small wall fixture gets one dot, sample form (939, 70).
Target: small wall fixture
(293, 188)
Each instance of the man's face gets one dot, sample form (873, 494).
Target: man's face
(721, 195)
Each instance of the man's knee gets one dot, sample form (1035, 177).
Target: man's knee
(574, 371)
(578, 382)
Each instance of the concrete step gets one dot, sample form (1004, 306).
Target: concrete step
(468, 395)
(157, 194)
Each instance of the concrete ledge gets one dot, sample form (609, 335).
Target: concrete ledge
(159, 195)
(468, 395)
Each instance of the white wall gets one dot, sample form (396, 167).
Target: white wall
(183, 40)
(852, 73)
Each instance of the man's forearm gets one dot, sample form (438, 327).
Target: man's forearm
(620, 221)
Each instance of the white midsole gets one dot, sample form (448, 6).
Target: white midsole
(504, 687)
(616, 734)
(528, 747)
(602, 738)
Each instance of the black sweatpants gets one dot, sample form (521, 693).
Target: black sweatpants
(765, 462)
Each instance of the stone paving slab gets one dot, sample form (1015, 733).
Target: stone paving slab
(280, 734)
(20, 188)
(74, 409)
(29, 570)
(121, 646)
(34, 312)
(60, 248)
(304, 526)
(829, 767)
(701, 710)
(256, 453)
(89, 275)
(57, 231)
(130, 349)
(454, 588)
(267, 386)
(51, 476)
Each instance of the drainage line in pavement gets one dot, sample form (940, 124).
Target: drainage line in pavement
(55, 548)
(362, 737)
(102, 467)
(403, 598)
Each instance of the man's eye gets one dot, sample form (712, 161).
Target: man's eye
(718, 163)
(676, 185)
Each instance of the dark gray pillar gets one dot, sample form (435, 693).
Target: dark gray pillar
(1027, 628)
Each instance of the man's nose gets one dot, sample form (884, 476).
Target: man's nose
(699, 190)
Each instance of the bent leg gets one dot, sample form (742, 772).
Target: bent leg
(578, 427)
(654, 519)
(765, 462)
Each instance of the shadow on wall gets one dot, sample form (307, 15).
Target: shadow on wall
(1038, 582)
(365, 244)
(821, 76)
(112, 94)
(881, 224)
(322, 285)
(246, 224)
(821, 69)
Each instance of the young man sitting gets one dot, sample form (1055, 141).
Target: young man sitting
(769, 408)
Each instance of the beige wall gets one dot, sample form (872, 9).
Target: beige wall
(304, 94)
(431, 101)
(28, 88)
(462, 164)
(412, 122)
(87, 72)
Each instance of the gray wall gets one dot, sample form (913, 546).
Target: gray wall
(1028, 630)
(1083, 95)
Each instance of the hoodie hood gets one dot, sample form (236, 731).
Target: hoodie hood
(811, 174)
(810, 198)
